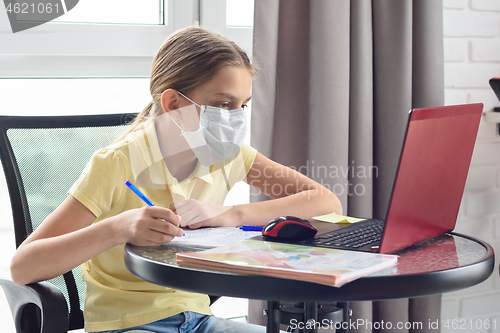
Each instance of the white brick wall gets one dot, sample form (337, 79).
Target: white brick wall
(472, 57)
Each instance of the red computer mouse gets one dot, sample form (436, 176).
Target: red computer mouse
(289, 228)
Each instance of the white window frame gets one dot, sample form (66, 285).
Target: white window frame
(98, 50)
(213, 17)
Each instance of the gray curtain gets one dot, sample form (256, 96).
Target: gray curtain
(336, 81)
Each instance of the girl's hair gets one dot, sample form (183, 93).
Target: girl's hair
(189, 58)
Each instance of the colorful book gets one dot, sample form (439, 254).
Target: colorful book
(305, 263)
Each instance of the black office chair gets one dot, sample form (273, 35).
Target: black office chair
(42, 157)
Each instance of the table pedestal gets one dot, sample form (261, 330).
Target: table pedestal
(308, 316)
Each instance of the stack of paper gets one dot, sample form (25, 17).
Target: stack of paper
(207, 238)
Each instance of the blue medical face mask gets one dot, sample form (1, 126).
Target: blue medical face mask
(220, 135)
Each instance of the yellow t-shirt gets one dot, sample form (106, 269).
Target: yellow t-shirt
(114, 298)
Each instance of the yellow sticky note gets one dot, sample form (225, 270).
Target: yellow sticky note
(336, 218)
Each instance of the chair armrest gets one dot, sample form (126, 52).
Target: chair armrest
(47, 297)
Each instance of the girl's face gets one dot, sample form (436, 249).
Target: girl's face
(229, 89)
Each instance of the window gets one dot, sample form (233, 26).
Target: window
(239, 13)
(146, 12)
(72, 96)
(127, 40)
(230, 18)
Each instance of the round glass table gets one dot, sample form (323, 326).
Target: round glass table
(442, 264)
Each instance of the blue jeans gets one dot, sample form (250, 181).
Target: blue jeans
(190, 322)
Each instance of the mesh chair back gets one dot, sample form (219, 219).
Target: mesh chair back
(42, 157)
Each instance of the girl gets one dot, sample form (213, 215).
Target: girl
(184, 152)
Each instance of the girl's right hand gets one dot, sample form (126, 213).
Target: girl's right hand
(146, 226)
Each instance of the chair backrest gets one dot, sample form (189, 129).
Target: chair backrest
(42, 156)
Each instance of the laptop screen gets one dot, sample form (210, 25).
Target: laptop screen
(431, 175)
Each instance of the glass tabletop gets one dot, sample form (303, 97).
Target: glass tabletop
(445, 252)
(442, 264)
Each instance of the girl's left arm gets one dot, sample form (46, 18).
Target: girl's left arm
(294, 193)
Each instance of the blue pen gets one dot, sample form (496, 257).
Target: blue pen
(141, 195)
(251, 228)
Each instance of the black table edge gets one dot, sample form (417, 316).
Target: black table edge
(261, 287)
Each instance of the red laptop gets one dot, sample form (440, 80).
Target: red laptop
(429, 184)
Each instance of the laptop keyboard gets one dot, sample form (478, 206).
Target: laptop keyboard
(354, 236)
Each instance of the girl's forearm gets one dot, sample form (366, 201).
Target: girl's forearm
(47, 258)
(305, 204)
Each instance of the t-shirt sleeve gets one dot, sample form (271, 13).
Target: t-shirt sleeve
(240, 164)
(101, 183)
(248, 153)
